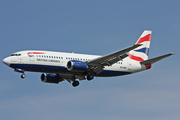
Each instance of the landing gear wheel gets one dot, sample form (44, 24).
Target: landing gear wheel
(75, 83)
(90, 77)
(23, 76)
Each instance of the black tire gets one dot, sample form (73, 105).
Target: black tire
(23, 76)
(75, 83)
(90, 77)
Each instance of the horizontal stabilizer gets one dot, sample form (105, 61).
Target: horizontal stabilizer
(153, 60)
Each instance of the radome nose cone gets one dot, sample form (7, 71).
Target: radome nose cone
(7, 61)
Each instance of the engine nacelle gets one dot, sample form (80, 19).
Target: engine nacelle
(50, 78)
(76, 66)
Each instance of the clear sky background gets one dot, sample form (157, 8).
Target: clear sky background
(91, 27)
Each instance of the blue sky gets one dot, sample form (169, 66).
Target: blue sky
(91, 27)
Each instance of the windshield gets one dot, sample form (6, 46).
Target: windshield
(16, 55)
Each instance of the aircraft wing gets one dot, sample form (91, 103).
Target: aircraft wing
(98, 64)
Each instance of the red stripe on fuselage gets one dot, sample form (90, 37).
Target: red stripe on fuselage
(135, 57)
(35, 53)
(145, 38)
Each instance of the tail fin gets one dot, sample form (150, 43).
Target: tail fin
(141, 53)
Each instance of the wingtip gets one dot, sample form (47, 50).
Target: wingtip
(172, 53)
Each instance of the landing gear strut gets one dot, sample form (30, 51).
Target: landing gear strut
(21, 71)
(23, 76)
(75, 83)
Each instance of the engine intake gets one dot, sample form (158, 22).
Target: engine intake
(76, 66)
(50, 78)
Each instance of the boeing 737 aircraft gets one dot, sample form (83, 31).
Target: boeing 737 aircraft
(59, 66)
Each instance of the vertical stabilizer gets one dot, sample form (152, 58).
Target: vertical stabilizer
(141, 53)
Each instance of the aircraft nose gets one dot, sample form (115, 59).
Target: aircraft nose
(7, 61)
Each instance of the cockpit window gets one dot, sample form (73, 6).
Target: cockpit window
(16, 55)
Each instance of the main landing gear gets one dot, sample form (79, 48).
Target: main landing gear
(75, 83)
(90, 77)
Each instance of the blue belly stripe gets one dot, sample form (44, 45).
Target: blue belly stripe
(61, 69)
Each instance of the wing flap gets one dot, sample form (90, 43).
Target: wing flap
(98, 69)
(111, 61)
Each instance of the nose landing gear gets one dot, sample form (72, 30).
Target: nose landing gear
(20, 71)
(23, 76)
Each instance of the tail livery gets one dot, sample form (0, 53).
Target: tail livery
(141, 53)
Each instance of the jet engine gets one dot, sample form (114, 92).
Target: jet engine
(50, 78)
(76, 66)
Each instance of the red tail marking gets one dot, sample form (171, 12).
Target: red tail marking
(145, 38)
(135, 57)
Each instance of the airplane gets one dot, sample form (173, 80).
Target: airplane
(60, 66)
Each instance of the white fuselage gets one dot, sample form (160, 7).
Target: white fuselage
(59, 66)
(56, 62)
